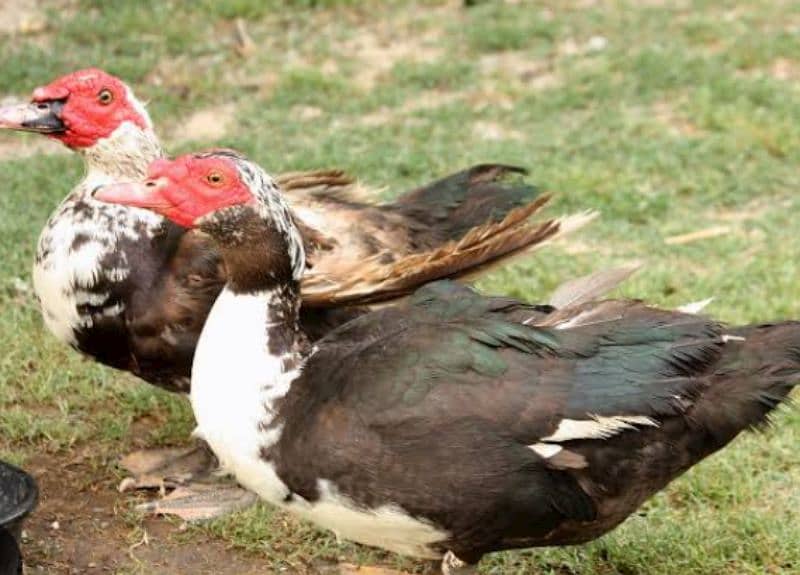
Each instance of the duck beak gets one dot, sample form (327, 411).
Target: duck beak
(40, 117)
(148, 194)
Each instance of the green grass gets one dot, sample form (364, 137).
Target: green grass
(674, 121)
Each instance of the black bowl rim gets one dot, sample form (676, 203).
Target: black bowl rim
(28, 504)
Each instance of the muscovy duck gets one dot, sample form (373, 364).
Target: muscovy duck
(132, 289)
(453, 424)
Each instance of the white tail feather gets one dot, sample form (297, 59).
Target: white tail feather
(694, 307)
(591, 287)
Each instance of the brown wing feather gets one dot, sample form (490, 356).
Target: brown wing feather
(332, 185)
(334, 282)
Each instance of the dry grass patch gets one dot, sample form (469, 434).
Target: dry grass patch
(22, 17)
(521, 69)
(212, 123)
(378, 51)
(665, 113)
(785, 69)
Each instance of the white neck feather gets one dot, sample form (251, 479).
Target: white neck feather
(236, 382)
(124, 155)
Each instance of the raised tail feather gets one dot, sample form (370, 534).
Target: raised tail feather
(376, 280)
(452, 206)
(758, 370)
(459, 226)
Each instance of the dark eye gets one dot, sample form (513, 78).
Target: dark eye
(215, 178)
(105, 97)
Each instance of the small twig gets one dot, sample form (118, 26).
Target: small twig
(698, 235)
(245, 46)
(145, 540)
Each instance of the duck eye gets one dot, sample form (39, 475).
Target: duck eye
(105, 97)
(215, 178)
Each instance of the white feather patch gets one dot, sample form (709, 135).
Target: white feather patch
(694, 307)
(598, 427)
(575, 320)
(727, 337)
(137, 105)
(95, 299)
(229, 405)
(388, 526)
(114, 310)
(546, 450)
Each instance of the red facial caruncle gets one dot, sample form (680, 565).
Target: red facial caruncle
(184, 189)
(95, 104)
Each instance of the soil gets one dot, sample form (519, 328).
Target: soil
(83, 525)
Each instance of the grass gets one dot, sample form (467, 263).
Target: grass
(666, 117)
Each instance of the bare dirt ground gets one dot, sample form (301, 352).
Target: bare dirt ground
(81, 526)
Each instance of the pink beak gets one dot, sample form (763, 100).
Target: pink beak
(147, 194)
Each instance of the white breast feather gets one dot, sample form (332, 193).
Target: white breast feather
(234, 382)
(62, 272)
(388, 527)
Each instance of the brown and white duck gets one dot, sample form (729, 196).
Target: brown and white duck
(453, 424)
(132, 289)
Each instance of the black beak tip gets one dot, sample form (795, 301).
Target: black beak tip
(48, 118)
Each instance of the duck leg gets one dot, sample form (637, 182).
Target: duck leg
(190, 480)
(452, 565)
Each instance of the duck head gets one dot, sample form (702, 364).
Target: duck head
(79, 109)
(185, 189)
(94, 113)
(228, 197)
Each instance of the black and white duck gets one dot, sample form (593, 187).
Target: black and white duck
(132, 289)
(451, 425)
